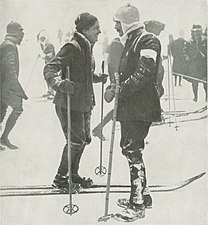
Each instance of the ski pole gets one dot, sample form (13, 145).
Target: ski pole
(32, 72)
(101, 170)
(104, 218)
(173, 93)
(169, 89)
(70, 208)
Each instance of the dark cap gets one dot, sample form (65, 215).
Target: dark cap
(153, 25)
(196, 27)
(85, 21)
(13, 27)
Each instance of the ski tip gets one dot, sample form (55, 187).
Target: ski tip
(200, 175)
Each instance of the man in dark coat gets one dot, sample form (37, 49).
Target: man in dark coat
(77, 55)
(196, 56)
(12, 93)
(177, 48)
(138, 102)
(156, 27)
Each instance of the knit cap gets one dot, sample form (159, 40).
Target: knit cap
(127, 14)
(13, 28)
(85, 20)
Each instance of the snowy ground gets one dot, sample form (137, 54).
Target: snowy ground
(170, 156)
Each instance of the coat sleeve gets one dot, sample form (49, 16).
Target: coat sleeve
(148, 52)
(57, 64)
(11, 71)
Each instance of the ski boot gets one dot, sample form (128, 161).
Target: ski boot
(132, 213)
(2, 148)
(124, 202)
(147, 198)
(61, 182)
(83, 181)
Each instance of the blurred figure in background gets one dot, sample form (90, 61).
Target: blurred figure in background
(114, 51)
(196, 57)
(12, 93)
(177, 48)
(156, 28)
(48, 52)
(60, 36)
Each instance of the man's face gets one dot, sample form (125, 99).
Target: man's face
(196, 35)
(118, 28)
(20, 35)
(92, 33)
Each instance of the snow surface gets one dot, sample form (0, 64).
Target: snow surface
(170, 156)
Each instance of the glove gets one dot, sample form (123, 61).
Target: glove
(103, 77)
(110, 93)
(66, 86)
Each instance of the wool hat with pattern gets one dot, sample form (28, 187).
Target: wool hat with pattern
(127, 14)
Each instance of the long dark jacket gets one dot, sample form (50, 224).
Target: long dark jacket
(138, 97)
(78, 56)
(177, 48)
(9, 72)
(196, 53)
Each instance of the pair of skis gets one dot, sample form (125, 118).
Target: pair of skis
(37, 190)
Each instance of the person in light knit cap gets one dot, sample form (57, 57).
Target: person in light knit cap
(138, 102)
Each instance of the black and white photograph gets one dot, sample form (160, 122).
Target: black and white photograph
(103, 112)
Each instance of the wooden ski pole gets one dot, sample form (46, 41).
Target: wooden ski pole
(169, 89)
(28, 81)
(104, 218)
(101, 170)
(173, 93)
(70, 208)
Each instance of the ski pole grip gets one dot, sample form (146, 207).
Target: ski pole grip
(103, 66)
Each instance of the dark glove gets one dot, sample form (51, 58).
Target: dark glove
(103, 77)
(110, 93)
(66, 86)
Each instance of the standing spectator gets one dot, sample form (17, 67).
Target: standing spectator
(48, 52)
(59, 36)
(156, 28)
(196, 56)
(12, 93)
(77, 54)
(177, 48)
(115, 50)
(138, 102)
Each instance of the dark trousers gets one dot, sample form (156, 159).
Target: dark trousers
(133, 134)
(80, 136)
(17, 110)
(195, 85)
